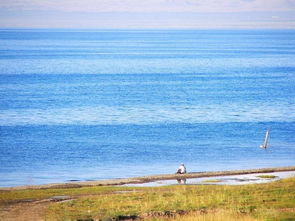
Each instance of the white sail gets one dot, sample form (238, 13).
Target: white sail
(265, 143)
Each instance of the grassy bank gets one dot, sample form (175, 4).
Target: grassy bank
(271, 201)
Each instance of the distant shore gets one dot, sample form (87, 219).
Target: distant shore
(152, 178)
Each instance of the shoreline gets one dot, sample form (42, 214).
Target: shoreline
(147, 179)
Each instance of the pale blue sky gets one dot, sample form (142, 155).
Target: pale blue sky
(134, 14)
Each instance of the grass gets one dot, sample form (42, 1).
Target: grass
(267, 176)
(211, 181)
(39, 194)
(271, 201)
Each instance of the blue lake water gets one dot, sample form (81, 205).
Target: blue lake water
(89, 105)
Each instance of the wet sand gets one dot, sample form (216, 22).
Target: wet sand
(154, 178)
(243, 179)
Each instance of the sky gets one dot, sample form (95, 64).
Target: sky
(148, 14)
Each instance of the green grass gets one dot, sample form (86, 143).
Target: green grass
(7, 197)
(271, 201)
(211, 181)
(267, 176)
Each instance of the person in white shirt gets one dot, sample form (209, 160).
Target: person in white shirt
(181, 169)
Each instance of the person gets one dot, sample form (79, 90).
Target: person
(181, 169)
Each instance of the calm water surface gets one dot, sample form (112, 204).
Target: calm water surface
(88, 105)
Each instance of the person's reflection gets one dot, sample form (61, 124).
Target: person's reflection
(181, 181)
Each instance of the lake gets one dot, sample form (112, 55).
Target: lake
(101, 104)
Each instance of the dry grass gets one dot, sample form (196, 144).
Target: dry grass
(221, 215)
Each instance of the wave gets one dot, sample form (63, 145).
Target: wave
(141, 115)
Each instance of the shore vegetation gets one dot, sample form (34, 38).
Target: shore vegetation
(269, 201)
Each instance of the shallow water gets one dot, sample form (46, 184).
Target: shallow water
(222, 180)
(88, 105)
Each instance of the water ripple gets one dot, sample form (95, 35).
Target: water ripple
(148, 114)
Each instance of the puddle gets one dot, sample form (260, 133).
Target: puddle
(59, 198)
(222, 180)
(26, 200)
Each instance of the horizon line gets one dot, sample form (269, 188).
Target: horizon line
(141, 29)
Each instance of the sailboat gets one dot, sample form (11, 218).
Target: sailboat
(265, 144)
